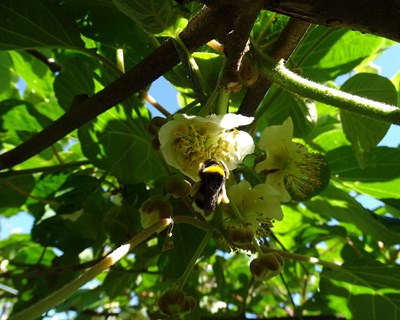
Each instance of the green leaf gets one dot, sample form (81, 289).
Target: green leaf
(327, 53)
(101, 21)
(380, 178)
(17, 121)
(331, 139)
(365, 133)
(5, 72)
(117, 282)
(267, 28)
(384, 164)
(34, 24)
(56, 232)
(282, 104)
(14, 191)
(158, 17)
(45, 188)
(174, 261)
(372, 288)
(75, 78)
(337, 204)
(121, 144)
(35, 74)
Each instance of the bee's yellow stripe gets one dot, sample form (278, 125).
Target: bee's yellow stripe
(215, 169)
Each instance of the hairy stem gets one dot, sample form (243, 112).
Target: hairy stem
(302, 258)
(49, 302)
(291, 81)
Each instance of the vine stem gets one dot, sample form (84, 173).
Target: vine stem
(302, 258)
(49, 302)
(291, 81)
(193, 261)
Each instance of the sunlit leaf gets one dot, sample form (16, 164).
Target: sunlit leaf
(365, 133)
(336, 204)
(327, 53)
(34, 24)
(372, 288)
(14, 191)
(121, 144)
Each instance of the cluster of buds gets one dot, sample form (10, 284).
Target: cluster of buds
(267, 266)
(174, 302)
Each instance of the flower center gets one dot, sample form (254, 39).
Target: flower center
(197, 144)
(303, 175)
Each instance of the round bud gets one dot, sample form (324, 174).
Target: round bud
(153, 210)
(189, 305)
(155, 144)
(248, 72)
(155, 124)
(172, 302)
(178, 187)
(241, 236)
(267, 266)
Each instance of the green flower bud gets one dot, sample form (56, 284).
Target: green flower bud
(178, 187)
(172, 302)
(267, 266)
(153, 210)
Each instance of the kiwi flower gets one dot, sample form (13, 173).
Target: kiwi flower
(289, 167)
(187, 141)
(256, 206)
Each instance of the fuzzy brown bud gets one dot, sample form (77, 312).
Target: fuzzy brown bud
(153, 210)
(189, 305)
(241, 236)
(155, 124)
(178, 187)
(172, 302)
(267, 266)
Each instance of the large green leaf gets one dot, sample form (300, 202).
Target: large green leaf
(365, 133)
(35, 74)
(281, 104)
(34, 24)
(381, 176)
(17, 121)
(154, 16)
(14, 191)
(121, 144)
(384, 164)
(336, 204)
(371, 288)
(5, 72)
(327, 53)
(267, 28)
(186, 239)
(75, 78)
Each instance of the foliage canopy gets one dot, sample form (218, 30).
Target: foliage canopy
(84, 177)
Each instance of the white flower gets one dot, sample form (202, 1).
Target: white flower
(257, 206)
(187, 141)
(289, 165)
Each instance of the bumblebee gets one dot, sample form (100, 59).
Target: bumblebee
(210, 190)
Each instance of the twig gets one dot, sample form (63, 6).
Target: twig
(56, 168)
(287, 42)
(50, 62)
(236, 43)
(291, 81)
